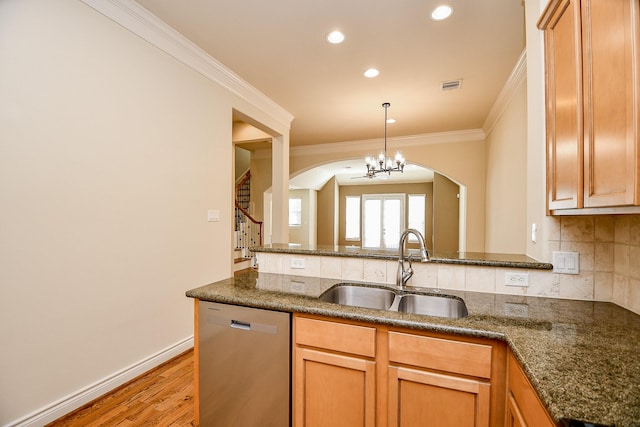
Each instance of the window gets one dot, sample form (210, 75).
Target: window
(295, 212)
(383, 220)
(417, 203)
(352, 214)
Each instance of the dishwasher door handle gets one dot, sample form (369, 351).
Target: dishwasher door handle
(240, 325)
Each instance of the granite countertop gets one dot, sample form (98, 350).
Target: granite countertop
(582, 357)
(467, 258)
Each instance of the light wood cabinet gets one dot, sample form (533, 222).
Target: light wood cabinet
(524, 408)
(350, 373)
(431, 392)
(592, 100)
(331, 388)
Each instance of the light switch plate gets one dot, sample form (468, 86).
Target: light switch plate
(566, 262)
(213, 216)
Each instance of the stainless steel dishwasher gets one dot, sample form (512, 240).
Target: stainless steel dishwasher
(244, 372)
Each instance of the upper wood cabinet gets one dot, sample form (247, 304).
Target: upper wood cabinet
(592, 101)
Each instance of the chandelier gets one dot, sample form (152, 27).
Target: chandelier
(382, 163)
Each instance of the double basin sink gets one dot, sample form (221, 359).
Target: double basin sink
(402, 301)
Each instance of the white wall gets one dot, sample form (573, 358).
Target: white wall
(536, 164)
(507, 178)
(111, 153)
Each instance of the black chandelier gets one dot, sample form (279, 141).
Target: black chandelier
(382, 163)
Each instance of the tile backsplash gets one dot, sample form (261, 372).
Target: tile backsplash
(609, 247)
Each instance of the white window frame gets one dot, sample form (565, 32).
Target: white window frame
(355, 215)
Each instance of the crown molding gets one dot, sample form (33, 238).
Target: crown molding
(135, 18)
(395, 142)
(516, 78)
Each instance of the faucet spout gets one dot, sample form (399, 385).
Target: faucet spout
(404, 274)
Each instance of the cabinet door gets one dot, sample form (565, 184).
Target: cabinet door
(514, 417)
(610, 102)
(564, 106)
(523, 403)
(421, 398)
(333, 390)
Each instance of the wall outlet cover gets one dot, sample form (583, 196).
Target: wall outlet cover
(516, 279)
(297, 263)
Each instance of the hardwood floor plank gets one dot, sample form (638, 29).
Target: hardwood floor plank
(161, 397)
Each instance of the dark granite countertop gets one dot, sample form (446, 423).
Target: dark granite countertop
(467, 258)
(582, 357)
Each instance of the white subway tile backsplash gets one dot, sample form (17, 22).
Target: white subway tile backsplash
(603, 286)
(480, 279)
(375, 271)
(576, 286)
(451, 276)
(330, 267)
(425, 275)
(352, 268)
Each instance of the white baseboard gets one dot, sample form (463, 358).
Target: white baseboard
(73, 401)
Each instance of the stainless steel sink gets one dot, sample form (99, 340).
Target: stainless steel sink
(387, 299)
(359, 296)
(431, 305)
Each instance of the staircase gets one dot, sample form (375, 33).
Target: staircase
(248, 231)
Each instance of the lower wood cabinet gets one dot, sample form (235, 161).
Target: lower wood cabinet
(334, 390)
(438, 381)
(421, 398)
(334, 374)
(349, 373)
(524, 408)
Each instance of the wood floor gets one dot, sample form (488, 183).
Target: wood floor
(161, 397)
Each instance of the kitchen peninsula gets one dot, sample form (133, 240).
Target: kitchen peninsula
(579, 356)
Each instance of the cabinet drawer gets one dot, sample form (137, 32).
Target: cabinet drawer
(346, 338)
(444, 355)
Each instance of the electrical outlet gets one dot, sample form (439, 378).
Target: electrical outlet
(297, 263)
(516, 279)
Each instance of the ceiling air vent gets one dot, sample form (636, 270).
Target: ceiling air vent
(451, 85)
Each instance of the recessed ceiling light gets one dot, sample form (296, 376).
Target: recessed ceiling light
(371, 72)
(391, 121)
(441, 12)
(335, 37)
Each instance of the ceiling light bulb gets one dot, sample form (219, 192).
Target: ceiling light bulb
(335, 37)
(391, 121)
(441, 12)
(371, 72)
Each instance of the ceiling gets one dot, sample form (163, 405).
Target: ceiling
(279, 47)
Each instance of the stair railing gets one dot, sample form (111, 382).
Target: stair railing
(248, 230)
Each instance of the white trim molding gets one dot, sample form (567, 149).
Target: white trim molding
(516, 78)
(135, 18)
(75, 400)
(395, 142)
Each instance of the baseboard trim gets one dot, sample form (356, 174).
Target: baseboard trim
(91, 392)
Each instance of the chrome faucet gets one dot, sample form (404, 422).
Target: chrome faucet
(405, 274)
